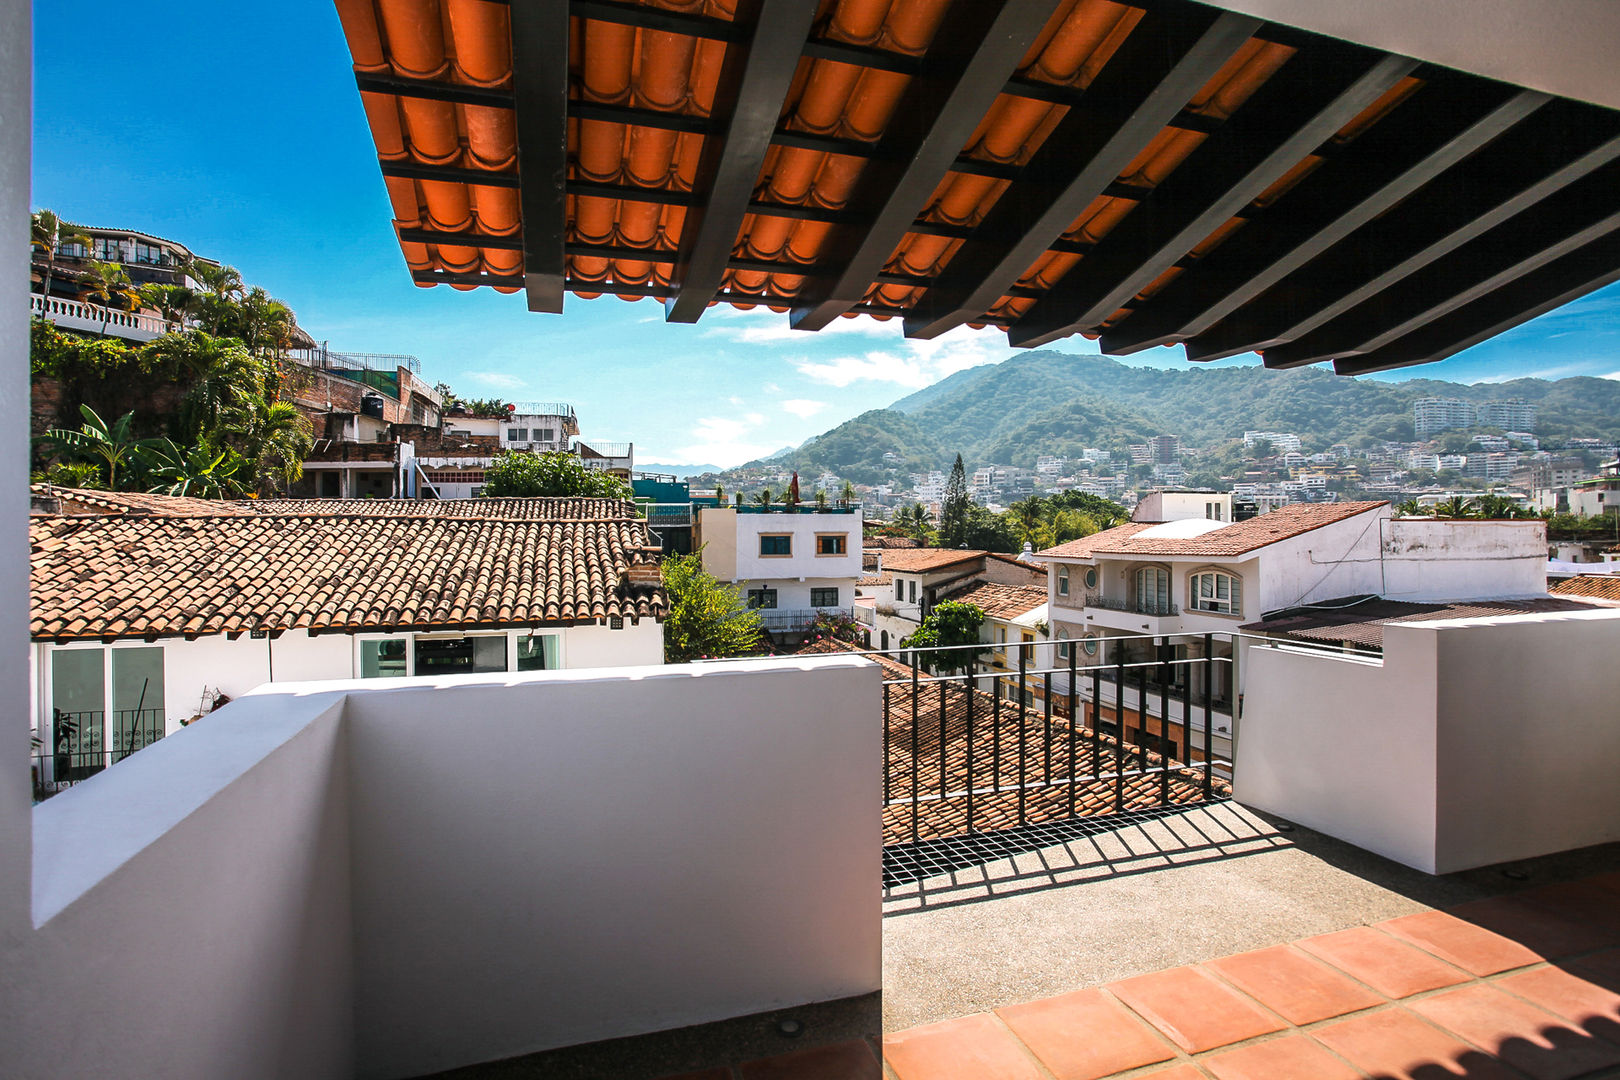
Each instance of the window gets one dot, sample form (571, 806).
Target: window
(109, 250)
(1089, 645)
(150, 255)
(544, 434)
(384, 658)
(761, 598)
(775, 545)
(1091, 577)
(460, 655)
(1065, 647)
(1153, 591)
(1213, 590)
(106, 703)
(537, 652)
(999, 636)
(913, 591)
(830, 543)
(1063, 581)
(517, 434)
(823, 597)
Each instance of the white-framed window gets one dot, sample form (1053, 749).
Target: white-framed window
(102, 703)
(517, 434)
(1215, 590)
(393, 656)
(824, 597)
(1089, 645)
(1063, 581)
(1091, 577)
(1065, 647)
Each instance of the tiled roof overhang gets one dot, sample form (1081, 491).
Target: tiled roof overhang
(1148, 173)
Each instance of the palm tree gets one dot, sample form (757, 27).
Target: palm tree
(763, 498)
(202, 471)
(274, 438)
(49, 234)
(1455, 507)
(264, 323)
(110, 286)
(847, 495)
(221, 287)
(1027, 518)
(917, 520)
(223, 375)
(172, 303)
(113, 444)
(821, 499)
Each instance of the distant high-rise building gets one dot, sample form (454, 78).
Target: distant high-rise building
(1430, 416)
(1512, 414)
(1166, 449)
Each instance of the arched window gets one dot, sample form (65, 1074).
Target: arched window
(885, 641)
(1215, 590)
(1063, 644)
(1153, 590)
(1063, 581)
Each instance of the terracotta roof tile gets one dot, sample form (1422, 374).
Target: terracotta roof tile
(132, 576)
(927, 560)
(1597, 586)
(1000, 601)
(1361, 620)
(81, 501)
(874, 580)
(1238, 538)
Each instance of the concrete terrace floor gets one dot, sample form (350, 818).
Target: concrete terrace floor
(974, 957)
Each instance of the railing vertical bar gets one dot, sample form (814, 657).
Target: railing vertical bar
(916, 767)
(1119, 730)
(1142, 718)
(967, 690)
(1096, 721)
(888, 757)
(1164, 729)
(1023, 728)
(1046, 714)
(995, 734)
(1074, 731)
(1209, 720)
(944, 689)
(1186, 717)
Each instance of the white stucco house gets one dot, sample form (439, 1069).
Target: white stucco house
(789, 563)
(147, 610)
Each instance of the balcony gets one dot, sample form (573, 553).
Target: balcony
(798, 508)
(1134, 606)
(93, 318)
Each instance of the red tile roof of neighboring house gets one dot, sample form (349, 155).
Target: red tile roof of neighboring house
(1361, 621)
(128, 575)
(874, 580)
(873, 543)
(927, 560)
(1596, 586)
(999, 601)
(82, 501)
(1238, 538)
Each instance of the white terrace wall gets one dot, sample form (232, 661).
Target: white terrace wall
(1473, 742)
(390, 879)
(1464, 560)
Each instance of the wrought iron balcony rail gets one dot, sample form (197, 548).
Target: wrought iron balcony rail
(1135, 606)
(77, 745)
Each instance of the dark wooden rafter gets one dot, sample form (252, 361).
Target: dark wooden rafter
(1314, 94)
(1551, 229)
(1443, 122)
(456, 174)
(1155, 72)
(1552, 286)
(976, 47)
(754, 79)
(1562, 143)
(539, 86)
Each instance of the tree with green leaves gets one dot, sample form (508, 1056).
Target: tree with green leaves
(172, 303)
(48, 234)
(706, 618)
(221, 375)
(950, 623)
(108, 284)
(556, 474)
(273, 438)
(203, 471)
(1028, 518)
(953, 509)
(111, 445)
(847, 495)
(763, 498)
(917, 521)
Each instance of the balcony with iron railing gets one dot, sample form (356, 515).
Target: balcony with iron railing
(1133, 605)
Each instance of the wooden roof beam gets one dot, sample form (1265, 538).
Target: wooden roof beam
(976, 48)
(540, 91)
(1313, 95)
(1442, 123)
(1564, 142)
(1156, 71)
(1554, 285)
(754, 80)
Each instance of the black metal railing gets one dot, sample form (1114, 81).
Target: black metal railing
(1135, 606)
(970, 751)
(77, 745)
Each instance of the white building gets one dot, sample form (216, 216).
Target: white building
(790, 564)
(1172, 505)
(148, 610)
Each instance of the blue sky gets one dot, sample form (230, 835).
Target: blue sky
(242, 137)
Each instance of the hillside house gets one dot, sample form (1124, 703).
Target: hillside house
(791, 563)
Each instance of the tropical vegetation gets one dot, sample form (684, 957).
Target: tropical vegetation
(553, 475)
(706, 618)
(950, 623)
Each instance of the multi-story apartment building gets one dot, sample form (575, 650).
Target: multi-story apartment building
(1430, 416)
(1511, 414)
(791, 562)
(1281, 441)
(1166, 449)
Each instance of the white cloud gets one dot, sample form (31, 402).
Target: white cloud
(721, 440)
(771, 388)
(803, 407)
(498, 380)
(913, 364)
(754, 419)
(1611, 375)
(737, 401)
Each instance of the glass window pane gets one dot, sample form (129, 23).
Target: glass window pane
(78, 696)
(382, 659)
(137, 698)
(537, 652)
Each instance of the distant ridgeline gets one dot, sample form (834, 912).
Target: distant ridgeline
(1052, 403)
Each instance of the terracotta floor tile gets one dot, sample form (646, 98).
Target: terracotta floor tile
(1085, 1035)
(972, 1048)
(1581, 901)
(1195, 1011)
(851, 1060)
(1588, 1005)
(1295, 1055)
(1393, 968)
(1392, 1044)
(1179, 1072)
(1456, 941)
(1520, 1034)
(1300, 989)
(1536, 928)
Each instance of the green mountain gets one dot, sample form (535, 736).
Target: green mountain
(1054, 403)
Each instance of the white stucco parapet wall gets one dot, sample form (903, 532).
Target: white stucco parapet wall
(388, 879)
(1473, 742)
